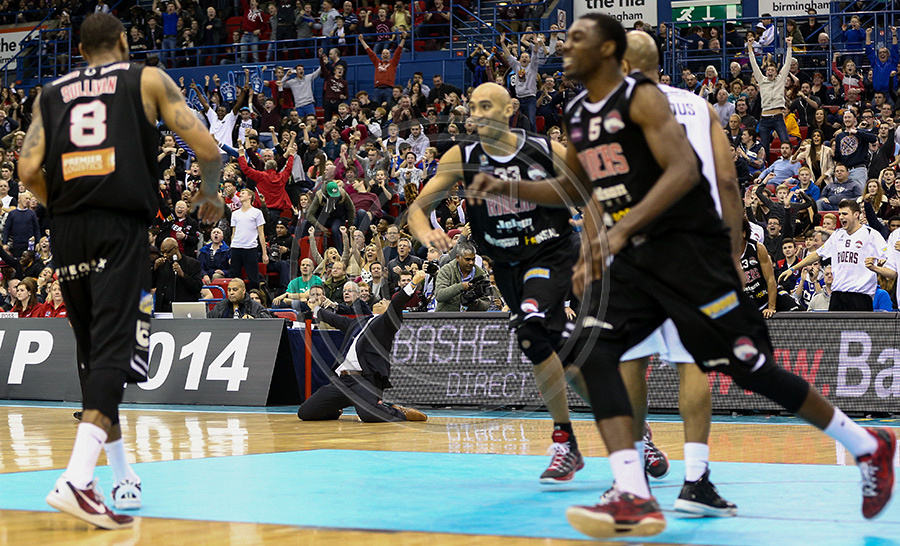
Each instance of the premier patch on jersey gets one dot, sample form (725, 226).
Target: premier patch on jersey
(536, 172)
(537, 273)
(530, 306)
(613, 122)
(721, 306)
(90, 163)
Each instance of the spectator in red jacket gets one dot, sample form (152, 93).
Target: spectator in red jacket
(55, 306)
(385, 69)
(26, 300)
(270, 182)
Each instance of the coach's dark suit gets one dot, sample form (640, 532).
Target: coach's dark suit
(373, 350)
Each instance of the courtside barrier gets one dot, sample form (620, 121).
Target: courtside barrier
(216, 362)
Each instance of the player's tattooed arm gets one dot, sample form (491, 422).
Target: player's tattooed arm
(31, 158)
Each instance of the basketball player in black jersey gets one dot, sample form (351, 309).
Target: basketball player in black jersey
(625, 142)
(90, 156)
(759, 278)
(529, 245)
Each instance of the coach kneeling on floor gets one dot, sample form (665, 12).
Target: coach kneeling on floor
(365, 368)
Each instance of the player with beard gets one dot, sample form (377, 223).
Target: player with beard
(626, 146)
(529, 245)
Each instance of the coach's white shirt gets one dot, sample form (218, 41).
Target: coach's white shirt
(848, 255)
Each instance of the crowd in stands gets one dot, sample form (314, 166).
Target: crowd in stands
(330, 179)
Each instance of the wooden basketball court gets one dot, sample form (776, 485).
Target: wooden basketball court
(39, 438)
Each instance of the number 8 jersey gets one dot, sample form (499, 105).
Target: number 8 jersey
(100, 148)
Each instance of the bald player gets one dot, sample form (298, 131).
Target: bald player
(698, 495)
(529, 245)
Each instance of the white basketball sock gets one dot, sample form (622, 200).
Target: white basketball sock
(629, 473)
(639, 446)
(696, 460)
(115, 454)
(855, 438)
(88, 443)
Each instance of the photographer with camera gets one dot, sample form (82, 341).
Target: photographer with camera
(176, 276)
(461, 285)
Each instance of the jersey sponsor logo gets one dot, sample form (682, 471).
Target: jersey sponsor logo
(502, 205)
(576, 134)
(89, 88)
(610, 219)
(716, 362)
(721, 306)
(537, 273)
(744, 349)
(514, 224)
(847, 257)
(604, 160)
(507, 242)
(859, 244)
(613, 192)
(545, 235)
(90, 163)
(536, 172)
(613, 122)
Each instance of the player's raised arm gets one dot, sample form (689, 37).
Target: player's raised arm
(158, 88)
(672, 151)
(449, 173)
(31, 158)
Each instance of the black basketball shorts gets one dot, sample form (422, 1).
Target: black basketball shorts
(103, 263)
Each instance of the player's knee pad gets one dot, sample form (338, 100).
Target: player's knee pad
(535, 342)
(103, 391)
(606, 390)
(778, 385)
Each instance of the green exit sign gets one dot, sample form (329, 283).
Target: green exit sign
(700, 13)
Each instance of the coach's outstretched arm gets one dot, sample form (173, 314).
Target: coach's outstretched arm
(163, 99)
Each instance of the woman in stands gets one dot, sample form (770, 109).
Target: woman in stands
(331, 254)
(260, 297)
(44, 280)
(818, 157)
(43, 251)
(26, 299)
(875, 195)
(54, 306)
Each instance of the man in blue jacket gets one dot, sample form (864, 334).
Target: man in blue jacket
(215, 256)
(883, 62)
(21, 228)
